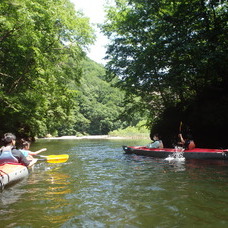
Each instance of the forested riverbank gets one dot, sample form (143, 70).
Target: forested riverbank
(166, 65)
(173, 55)
(48, 85)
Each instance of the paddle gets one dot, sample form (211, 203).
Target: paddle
(180, 127)
(180, 134)
(54, 158)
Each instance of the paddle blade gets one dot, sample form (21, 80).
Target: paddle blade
(56, 158)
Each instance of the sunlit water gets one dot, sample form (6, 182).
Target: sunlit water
(100, 186)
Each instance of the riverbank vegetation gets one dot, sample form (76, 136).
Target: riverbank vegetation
(42, 46)
(47, 84)
(173, 55)
(99, 105)
(138, 131)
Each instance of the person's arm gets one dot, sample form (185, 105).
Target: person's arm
(181, 139)
(37, 152)
(32, 162)
(23, 160)
(154, 145)
(20, 157)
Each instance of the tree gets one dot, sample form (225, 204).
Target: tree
(42, 45)
(100, 104)
(168, 52)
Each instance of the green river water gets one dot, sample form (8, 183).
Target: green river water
(100, 186)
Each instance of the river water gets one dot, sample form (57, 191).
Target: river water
(100, 186)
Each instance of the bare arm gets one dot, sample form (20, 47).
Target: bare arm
(181, 138)
(37, 152)
(32, 162)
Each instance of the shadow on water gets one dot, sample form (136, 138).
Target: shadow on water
(100, 186)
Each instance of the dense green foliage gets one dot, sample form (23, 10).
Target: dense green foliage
(100, 104)
(173, 55)
(47, 85)
(140, 130)
(42, 44)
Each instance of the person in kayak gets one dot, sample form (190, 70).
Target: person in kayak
(10, 154)
(26, 149)
(187, 143)
(157, 142)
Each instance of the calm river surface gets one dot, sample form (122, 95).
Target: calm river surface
(100, 186)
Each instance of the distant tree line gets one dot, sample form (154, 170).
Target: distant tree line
(173, 56)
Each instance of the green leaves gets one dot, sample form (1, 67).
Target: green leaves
(100, 104)
(169, 53)
(169, 48)
(42, 45)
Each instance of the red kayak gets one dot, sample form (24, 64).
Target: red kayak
(197, 153)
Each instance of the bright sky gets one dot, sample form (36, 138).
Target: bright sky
(95, 11)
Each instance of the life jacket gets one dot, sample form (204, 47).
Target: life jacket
(6, 155)
(189, 145)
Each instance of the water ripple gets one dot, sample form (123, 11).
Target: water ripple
(100, 186)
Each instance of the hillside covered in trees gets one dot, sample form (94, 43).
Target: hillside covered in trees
(99, 105)
(173, 55)
(42, 46)
(47, 84)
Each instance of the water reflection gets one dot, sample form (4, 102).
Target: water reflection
(58, 183)
(11, 194)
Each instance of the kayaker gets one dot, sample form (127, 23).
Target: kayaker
(9, 153)
(157, 143)
(187, 143)
(26, 149)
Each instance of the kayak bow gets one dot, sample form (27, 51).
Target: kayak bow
(12, 172)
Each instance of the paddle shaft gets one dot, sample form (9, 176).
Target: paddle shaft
(180, 127)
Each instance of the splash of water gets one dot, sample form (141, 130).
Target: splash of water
(178, 155)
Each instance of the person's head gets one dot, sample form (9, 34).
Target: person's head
(9, 139)
(25, 144)
(156, 137)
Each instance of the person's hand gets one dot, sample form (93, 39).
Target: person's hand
(34, 160)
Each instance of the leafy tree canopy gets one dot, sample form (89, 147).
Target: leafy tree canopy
(42, 45)
(100, 104)
(172, 54)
